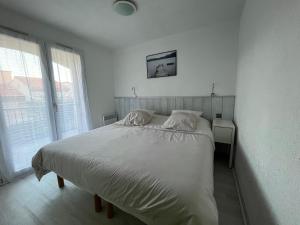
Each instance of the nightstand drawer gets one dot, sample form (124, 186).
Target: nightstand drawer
(223, 135)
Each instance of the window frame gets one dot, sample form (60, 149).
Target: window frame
(48, 45)
(48, 79)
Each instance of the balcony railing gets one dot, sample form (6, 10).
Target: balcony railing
(28, 127)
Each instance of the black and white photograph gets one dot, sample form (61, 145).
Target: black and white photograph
(162, 64)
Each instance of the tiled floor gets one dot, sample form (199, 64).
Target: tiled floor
(225, 192)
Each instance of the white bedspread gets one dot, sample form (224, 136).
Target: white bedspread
(162, 177)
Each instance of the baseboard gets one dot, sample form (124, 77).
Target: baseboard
(241, 200)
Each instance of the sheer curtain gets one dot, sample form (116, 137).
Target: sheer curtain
(39, 102)
(24, 115)
(72, 112)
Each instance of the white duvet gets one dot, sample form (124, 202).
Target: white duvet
(161, 177)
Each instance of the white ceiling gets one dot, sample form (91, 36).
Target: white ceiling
(96, 21)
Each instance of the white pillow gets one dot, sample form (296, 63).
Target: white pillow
(196, 113)
(137, 118)
(181, 121)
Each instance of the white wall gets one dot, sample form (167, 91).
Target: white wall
(98, 60)
(268, 111)
(203, 55)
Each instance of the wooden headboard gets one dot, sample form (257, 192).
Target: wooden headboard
(164, 105)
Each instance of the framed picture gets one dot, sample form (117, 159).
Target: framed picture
(162, 64)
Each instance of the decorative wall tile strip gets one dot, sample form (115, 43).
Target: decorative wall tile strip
(164, 105)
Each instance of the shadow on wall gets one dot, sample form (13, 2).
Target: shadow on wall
(257, 208)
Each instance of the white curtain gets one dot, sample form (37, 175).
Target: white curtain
(6, 171)
(38, 104)
(24, 115)
(70, 92)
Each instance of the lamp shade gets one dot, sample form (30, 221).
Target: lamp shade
(124, 8)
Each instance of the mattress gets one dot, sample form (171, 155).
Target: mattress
(160, 176)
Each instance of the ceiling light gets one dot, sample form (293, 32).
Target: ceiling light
(124, 7)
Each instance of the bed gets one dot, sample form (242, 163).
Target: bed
(162, 177)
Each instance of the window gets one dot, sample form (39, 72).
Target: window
(37, 107)
(24, 100)
(69, 94)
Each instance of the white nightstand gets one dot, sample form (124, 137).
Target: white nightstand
(224, 131)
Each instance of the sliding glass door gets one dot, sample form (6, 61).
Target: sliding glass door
(25, 119)
(68, 85)
(39, 103)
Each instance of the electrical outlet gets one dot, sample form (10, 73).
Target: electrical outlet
(219, 115)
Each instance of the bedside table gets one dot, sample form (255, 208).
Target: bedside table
(224, 131)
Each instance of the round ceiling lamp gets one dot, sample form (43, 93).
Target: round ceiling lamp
(124, 7)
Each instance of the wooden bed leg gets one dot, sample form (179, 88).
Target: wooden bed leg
(60, 182)
(98, 204)
(110, 210)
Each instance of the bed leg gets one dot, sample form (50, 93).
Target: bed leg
(98, 204)
(110, 210)
(60, 182)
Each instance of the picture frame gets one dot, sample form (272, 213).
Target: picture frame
(162, 64)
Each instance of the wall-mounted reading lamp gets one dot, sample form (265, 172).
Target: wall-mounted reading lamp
(212, 94)
(134, 93)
